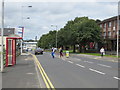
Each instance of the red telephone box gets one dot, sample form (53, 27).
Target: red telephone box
(11, 50)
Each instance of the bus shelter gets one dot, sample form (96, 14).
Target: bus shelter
(11, 49)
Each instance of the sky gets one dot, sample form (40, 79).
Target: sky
(44, 14)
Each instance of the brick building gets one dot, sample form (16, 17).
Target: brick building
(109, 33)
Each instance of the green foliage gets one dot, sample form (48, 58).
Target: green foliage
(81, 30)
(88, 31)
(47, 40)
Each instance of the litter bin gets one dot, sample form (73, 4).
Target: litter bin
(67, 54)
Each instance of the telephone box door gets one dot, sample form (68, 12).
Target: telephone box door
(10, 52)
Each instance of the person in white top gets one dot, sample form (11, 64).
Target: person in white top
(53, 52)
(102, 51)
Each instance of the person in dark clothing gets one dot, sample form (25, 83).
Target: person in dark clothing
(61, 52)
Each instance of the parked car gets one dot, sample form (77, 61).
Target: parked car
(38, 51)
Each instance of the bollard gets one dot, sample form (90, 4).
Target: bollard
(67, 54)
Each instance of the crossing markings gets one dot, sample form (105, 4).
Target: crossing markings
(47, 81)
(70, 62)
(96, 71)
(116, 78)
(80, 65)
(98, 58)
(88, 61)
(104, 65)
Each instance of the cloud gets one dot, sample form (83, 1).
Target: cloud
(44, 14)
(62, 0)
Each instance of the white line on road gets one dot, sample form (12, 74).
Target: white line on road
(116, 78)
(70, 62)
(104, 65)
(88, 61)
(80, 65)
(96, 71)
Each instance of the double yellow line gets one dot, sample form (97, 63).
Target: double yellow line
(47, 81)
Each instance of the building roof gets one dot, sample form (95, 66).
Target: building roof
(8, 31)
(109, 19)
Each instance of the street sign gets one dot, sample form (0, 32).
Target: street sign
(20, 31)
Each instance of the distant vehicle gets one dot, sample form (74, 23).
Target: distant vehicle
(29, 49)
(38, 51)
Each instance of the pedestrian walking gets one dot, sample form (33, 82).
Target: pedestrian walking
(61, 51)
(53, 52)
(102, 51)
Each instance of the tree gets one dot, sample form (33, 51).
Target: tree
(81, 30)
(47, 40)
(88, 31)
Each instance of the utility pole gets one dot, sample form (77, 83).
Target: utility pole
(118, 23)
(2, 29)
(56, 33)
(56, 36)
(36, 38)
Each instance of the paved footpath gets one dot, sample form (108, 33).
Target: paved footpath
(22, 75)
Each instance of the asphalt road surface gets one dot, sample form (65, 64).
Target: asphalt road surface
(80, 72)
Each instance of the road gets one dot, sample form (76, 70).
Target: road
(80, 72)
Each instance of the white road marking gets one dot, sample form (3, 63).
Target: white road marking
(30, 73)
(105, 65)
(80, 65)
(116, 78)
(88, 62)
(70, 62)
(96, 71)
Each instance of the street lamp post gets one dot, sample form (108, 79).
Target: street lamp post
(23, 26)
(118, 23)
(56, 33)
(2, 28)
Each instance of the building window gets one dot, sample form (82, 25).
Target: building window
(114, 34)
(114, 23)
(104, 34)
(109, 24)
(101, 25)
(104, 25)
(109, 34)
(114, 28)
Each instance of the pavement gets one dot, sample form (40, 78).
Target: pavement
(21, 75)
